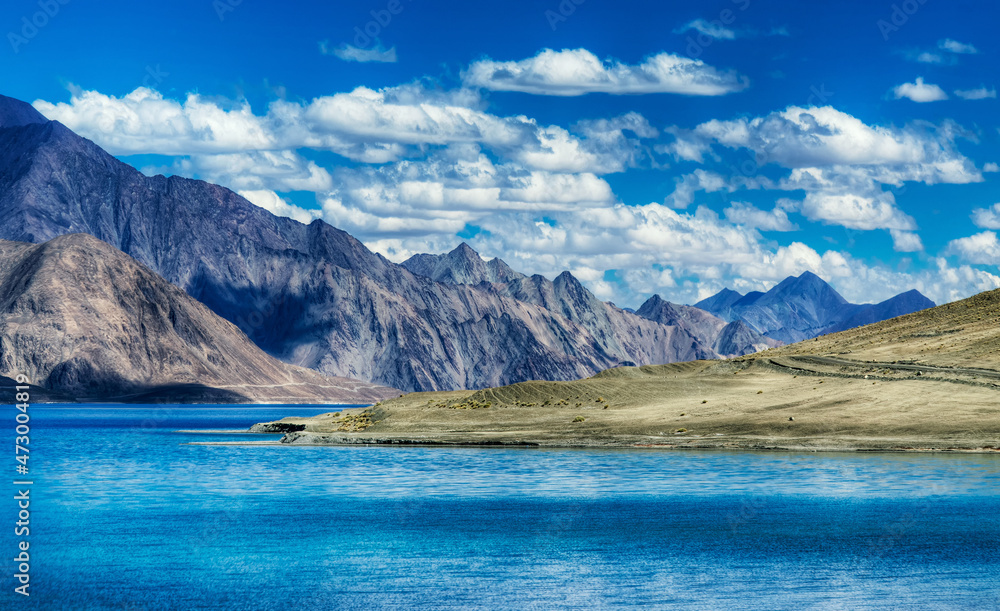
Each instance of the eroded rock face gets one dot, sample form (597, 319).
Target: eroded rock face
(659, 332)
(81, 318)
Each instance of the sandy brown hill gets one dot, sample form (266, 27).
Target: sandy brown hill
(961, 334)
(80, 317)
(924, 381)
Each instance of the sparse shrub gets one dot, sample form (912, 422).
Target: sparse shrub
(579, 419)
(704, 401)
(682, 430)
(760, 392)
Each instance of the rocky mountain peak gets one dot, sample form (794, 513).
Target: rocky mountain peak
(568, 281)
(15, 113)
(462, 265)
(720, 303)
(807, 285)
(464, 251)
(653, 308)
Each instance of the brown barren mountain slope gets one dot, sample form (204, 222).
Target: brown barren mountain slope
(83, 320)
(924, 381)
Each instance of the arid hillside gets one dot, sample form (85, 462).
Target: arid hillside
(928, 381)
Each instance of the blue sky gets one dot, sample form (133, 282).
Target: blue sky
(674, 148)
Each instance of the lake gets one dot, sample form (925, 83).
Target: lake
(127, 515)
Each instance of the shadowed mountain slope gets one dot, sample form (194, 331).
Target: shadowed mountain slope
(80, 318)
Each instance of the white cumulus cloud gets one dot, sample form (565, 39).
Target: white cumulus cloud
(982, 248)
(275, 204)
(145, 122)
(708, 28)
(906, 241)
(366, 125)
(258, 170)
(987, 218)
(841, 164)
(953, 46)
(573, 72)
(919, 91)
(982, 93)
(350, 53)
(856, 211)
(742, 213)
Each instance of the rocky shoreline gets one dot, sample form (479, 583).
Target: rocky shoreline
(771, 445)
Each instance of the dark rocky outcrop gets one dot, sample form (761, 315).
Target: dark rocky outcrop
(276, 427)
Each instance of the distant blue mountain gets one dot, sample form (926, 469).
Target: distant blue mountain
(804, 307)
(904, 303)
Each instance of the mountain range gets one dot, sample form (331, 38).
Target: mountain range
(315, 296)
(679, 332)
(804, 307)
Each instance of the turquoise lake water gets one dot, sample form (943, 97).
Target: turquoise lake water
(125, 515)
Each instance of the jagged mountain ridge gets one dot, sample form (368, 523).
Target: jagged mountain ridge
(463, 265)
(805, 306)
(690, 333)
(86, 320)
